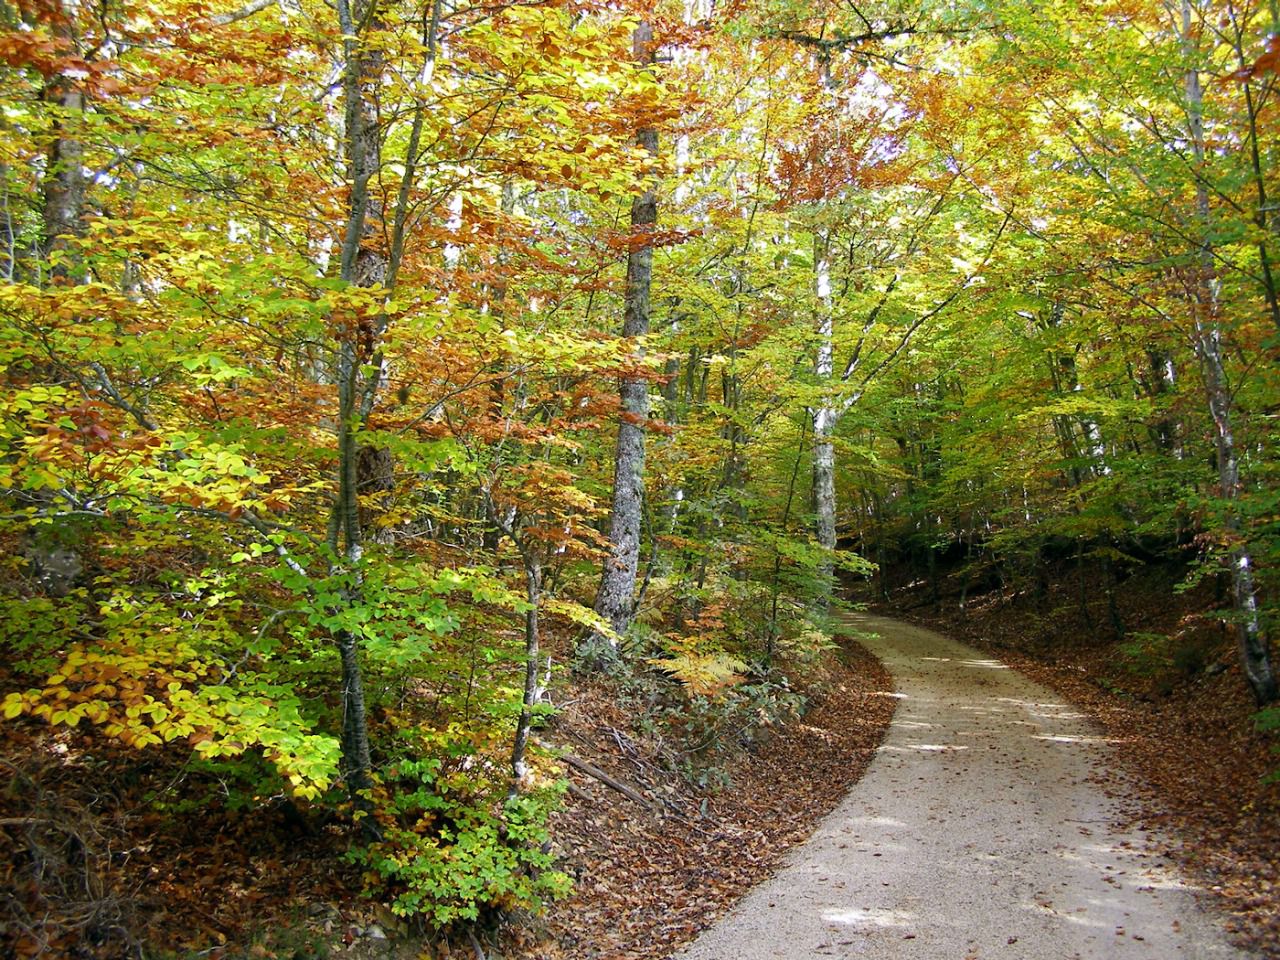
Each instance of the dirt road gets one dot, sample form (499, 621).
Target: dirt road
(985, 828)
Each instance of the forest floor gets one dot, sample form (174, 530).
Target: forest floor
(990, 824)
(133, 852)
(1171, 697)
(650, 878)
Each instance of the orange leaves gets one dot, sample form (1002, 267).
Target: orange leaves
(1268, 62)
(637, 238)
(554, 513)
(49, 56)
(830, 159)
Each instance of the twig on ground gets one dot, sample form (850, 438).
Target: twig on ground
(591, 770)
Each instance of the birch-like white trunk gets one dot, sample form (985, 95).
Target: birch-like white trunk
(826, 413)
(1255, 653)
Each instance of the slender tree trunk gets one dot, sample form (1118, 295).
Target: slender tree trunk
(364, 264)
(1113, 606)
(1163, 380)
(825, 418)
(8, 230)
(671, 414)
(357, 760)
(773, 632)
(532, 637)
(882, 557)
(1082, 587)
(1066, 381)
(935, 591)
(1255, 653)
(616, 598)
(1263, 206)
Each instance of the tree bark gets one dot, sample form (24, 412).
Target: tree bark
(63, 189)
(1255, 653)
(532, 638)
(825, 418)
(363, 264)
(615, 601)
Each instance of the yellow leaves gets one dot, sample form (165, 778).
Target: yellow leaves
(581, 615)
(306, 791)
(148, 704)
(703, 674)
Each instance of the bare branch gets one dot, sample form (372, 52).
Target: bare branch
(248, 10)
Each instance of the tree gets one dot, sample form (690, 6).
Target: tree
(615, 601)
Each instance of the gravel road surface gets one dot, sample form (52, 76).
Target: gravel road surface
(986, 827)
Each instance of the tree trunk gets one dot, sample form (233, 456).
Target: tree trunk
(882, 557)
(1162, 375)
(1262, 205)
(1113, 607)
(532, 630)
(63, 189)
(615, 601)
(773, 632)
(363, 264)
(825, 418)
(1255, 653)
(357, 762)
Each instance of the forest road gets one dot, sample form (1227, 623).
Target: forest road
(984, 828)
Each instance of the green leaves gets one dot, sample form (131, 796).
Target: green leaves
(450, 850)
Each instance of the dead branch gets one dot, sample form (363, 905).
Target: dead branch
(591, 770)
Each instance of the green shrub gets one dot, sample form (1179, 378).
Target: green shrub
(453, 848)
(1157, 655)
(1146, 654)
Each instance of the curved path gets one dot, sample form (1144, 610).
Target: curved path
(982, 829)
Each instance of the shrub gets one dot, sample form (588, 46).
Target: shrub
(453, 847)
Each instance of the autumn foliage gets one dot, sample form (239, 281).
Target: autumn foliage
(309, 342)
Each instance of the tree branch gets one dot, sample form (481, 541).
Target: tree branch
(845, 41)
(248, 10)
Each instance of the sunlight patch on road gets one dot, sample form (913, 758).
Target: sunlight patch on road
(874, 822)
(923, 747)
(1047, 711)
(870, 918)
(1032, 704)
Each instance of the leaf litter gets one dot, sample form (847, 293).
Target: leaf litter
(1183, 729)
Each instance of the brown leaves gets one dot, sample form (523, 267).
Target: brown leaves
(1190, 738)
(1269, 62)
(648, 882)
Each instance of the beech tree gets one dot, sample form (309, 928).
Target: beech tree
(616, 598)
